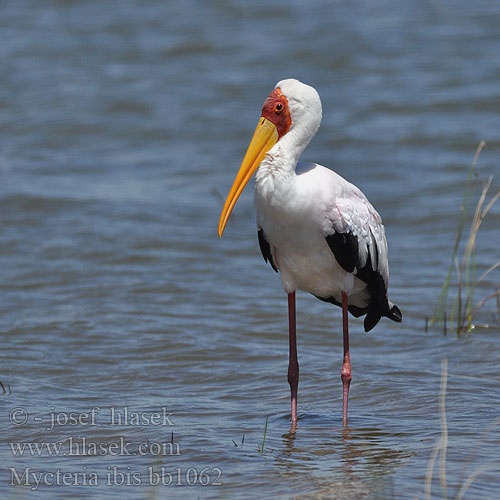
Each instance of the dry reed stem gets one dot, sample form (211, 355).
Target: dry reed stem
(442, 443)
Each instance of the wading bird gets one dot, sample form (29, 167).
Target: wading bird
(318, 230)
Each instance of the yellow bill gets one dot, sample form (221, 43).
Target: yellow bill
(264, 138)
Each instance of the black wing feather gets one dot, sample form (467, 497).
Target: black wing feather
(345, 248)
(265, 248)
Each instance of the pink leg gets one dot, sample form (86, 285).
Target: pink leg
(346, 367)
(293, 364)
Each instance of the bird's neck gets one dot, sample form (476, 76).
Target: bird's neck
(278, 167)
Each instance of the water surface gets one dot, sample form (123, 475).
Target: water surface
(122, 126)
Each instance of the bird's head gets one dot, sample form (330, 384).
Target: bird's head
(291, 108)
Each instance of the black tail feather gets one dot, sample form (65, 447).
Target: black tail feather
(374, 315)
(395, 314)
(371, 319)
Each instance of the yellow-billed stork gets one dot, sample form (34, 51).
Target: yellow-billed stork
(314, 227)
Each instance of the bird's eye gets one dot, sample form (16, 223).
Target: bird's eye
(278, 108)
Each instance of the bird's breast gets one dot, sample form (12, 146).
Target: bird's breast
(291, 221)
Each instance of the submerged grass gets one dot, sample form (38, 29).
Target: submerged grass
(461, 319)
(261, 450)
(7, 391)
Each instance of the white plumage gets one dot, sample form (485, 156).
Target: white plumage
(320, 203)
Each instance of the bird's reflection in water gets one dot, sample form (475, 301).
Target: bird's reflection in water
(352, 462)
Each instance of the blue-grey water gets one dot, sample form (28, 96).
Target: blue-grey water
(122, 125)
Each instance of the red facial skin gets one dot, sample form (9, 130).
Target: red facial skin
(275, 109)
